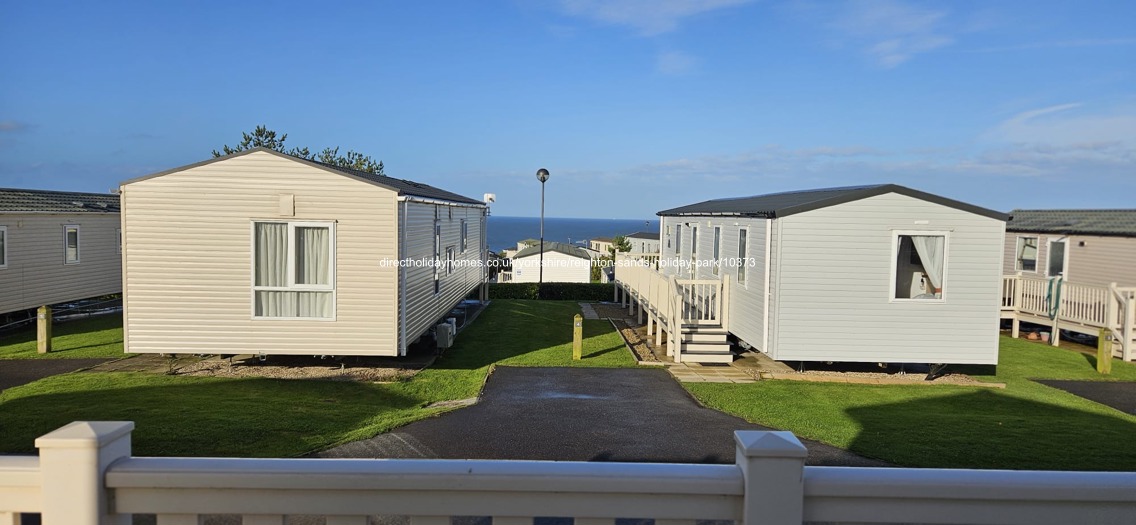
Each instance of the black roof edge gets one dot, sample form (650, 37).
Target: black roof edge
(311, 163)
(855, 195)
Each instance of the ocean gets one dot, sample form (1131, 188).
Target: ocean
(504, 232)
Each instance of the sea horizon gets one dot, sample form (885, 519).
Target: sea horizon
(505, 231)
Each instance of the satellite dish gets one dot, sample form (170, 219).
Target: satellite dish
(489, 197)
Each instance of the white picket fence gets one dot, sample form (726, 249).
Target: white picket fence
(1081, 308)
(85, 475)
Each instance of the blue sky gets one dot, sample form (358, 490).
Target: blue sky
(633, 105)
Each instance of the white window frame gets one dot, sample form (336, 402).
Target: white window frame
(437, 256)
(693, 251)
(464, 235)
(118, 238)
(895, 235)
(4, 247)
(290, 269)
(743, 258)
(1064, 261)
(1018, 253)
(451, 258)
(716, 252)
(78, 244)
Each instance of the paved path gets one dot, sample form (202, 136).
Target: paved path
(16, 372)
(1120, 395)
(578, 414)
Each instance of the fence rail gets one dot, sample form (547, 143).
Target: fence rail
(86, 475)
(1073, 306)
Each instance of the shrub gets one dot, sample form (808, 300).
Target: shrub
(552, 291)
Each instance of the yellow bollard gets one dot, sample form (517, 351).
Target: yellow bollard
(1104, 352)
(577, 337)
(43, 329)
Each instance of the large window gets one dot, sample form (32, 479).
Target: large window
(71, 244)
(678, 240)
(742, 233)
(1056, 265)
(294, 270)
(1026, 258)
(437, 255)
(693, 250)
(919, 265)
(3, 247)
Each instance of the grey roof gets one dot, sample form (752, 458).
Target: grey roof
(402, 186)
(1092, 222)
(775, 205)
(43, 201)
(651, 236)
(551, 246)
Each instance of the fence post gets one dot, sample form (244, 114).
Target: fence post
(773, 467)
(73, 462)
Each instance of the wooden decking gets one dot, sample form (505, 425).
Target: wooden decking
(691, 314)
(1074, 307)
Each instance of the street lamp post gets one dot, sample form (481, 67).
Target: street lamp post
(542, 176)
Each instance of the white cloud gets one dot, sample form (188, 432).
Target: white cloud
(675, 63)
(1063, 125)
(893, 32)
(647, 17)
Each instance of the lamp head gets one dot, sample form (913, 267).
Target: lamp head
(542, 175)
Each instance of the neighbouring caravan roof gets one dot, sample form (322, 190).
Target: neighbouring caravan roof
(42, 201)
(551, 246)
(783, 204)
(402, 186)
(1083, 222)
(651, 236)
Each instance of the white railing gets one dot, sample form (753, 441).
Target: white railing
(701, 300)
(690, 301)
(504, 277)
(1112, 308)
(85, 475)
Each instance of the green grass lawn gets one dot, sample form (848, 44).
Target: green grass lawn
(198, 416)
(93, 337)
(1024, 426)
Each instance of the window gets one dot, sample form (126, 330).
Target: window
(118, 239)
(71, 244)
(1026, 259)
(450, 260)
(3, 247)
(464, 233)
(437, 255)
(294, 270)
(742, 261)
(678, 240)
(717, 249)
(693, 249)
(919, 260)
(1056, 264)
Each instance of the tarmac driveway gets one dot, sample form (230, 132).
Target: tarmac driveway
(578, 414)
(16, 372)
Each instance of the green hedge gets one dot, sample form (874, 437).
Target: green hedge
(552, 291)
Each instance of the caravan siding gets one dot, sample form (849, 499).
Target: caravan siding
(558, 268)
(1102, 260)
(188, 257)
(834, 275)
(425, 307)
(36, 273)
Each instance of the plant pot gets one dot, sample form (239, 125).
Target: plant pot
(1045, 337)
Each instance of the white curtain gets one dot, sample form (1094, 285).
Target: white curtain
(313, 266)
(271, 250)
(313, 255)
(931, 250)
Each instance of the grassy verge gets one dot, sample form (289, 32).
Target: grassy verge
(198, 416)
(93, 337)
(1025, 426)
